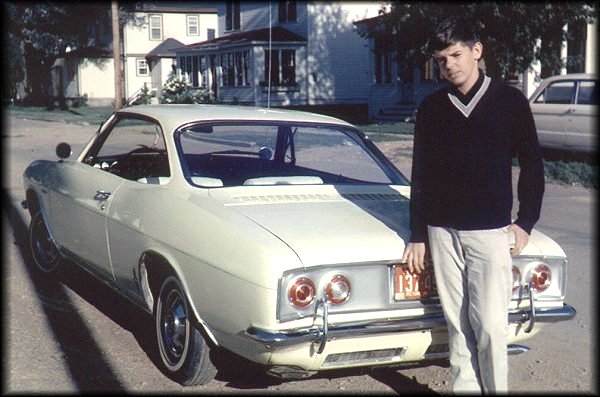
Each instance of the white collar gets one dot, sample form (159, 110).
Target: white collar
(468, 108)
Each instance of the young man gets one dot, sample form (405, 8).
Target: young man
(465, 138)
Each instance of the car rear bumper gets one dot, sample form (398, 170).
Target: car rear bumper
(272, 340)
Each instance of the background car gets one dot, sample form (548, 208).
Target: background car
(274, 234)
(565, 110)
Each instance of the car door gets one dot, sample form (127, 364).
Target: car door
(582, 116)
(79, 203)
(550, 111)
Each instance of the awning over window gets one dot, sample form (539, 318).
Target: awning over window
(165, 49)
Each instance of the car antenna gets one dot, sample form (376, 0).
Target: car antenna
(270, 55)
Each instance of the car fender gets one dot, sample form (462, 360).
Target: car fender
(171, 262)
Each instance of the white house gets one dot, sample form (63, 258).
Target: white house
(285, 53)
(147, 39)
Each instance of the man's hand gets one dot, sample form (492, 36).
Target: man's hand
(414, 256)
(521, 239)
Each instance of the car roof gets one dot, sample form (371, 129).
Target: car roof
(177, 115)
(573, 76)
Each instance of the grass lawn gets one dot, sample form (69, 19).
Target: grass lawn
(82, 115)
(386, 132)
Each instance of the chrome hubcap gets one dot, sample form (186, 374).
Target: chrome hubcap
(174, 326)
(45, 252)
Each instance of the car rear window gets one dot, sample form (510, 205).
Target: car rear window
(240, 154)
(587, 93)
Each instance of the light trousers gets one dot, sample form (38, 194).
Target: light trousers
(474, 278)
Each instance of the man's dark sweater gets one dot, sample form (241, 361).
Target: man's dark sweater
(462, 160)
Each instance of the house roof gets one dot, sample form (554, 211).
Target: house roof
(278, 34)
(177, 7)
(370, 25)
(165, 49)
(89, 52)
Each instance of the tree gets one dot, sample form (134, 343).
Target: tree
(45, 29)
(510, 31)
(12, 60)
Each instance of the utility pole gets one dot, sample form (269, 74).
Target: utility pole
(117, 55)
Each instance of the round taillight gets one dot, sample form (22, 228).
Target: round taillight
(302, 292)
(338, 289)
(540, 277)
(516, 278)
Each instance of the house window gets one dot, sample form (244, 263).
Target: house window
(235, 69)
(181, 67)
(232, 15)
(193, 25)
(287, 11)
(142, 67)
(383, 66)
(195, 70)
(156, 27)
(282, 67)
(383, 60)
(288, 67)
(430, 71)
(188, 67)
(210, 34)
(272, 67)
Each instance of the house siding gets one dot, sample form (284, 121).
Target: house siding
(97, 80)
(255, 15)
(137, 43)
(338, 57)
(332, 68)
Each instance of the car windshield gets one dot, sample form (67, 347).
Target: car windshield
(243, 154)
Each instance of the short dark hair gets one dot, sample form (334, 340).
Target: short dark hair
(453, 30)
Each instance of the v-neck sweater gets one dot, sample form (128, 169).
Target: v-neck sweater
(462, 161)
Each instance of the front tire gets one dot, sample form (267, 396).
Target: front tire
(182, 347)
(43, 250)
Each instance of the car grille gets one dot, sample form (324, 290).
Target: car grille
(364, 357)
(319, 198)
(437, 351)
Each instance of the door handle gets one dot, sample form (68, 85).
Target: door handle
(101, 195)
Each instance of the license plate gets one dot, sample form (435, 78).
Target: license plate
(413, 285)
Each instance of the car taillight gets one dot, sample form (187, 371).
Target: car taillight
(302, 292)
(540, 277)
(516, 278)
(338, 289)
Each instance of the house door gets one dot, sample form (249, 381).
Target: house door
(213, 76)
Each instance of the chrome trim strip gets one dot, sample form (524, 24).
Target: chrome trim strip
(512, 350)
(277, 339)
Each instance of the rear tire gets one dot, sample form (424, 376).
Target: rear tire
(182, 347)
(43, 250)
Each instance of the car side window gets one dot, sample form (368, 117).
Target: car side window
(560, 92)
(134, 149)
(587, 93)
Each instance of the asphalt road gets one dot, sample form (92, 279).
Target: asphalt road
(71, 334)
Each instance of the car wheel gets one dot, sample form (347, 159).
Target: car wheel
(183, 349)
(43, 250)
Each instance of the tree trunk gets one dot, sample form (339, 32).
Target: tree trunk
(117, 55)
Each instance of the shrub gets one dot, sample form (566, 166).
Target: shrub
(572, 173)
(177, 90)
(144, 98)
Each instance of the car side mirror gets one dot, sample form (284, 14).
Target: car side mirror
(63, 150)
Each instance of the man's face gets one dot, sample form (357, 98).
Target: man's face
(458, 64)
